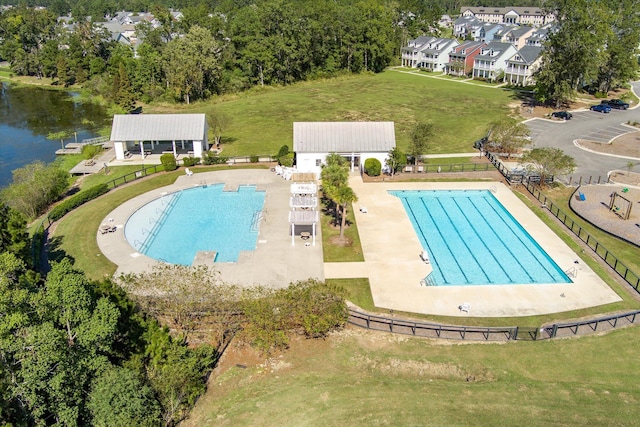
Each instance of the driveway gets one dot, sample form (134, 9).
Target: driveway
(592, 126)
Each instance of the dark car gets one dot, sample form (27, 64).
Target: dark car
(618, 104)
(565, 115)
(601, 108)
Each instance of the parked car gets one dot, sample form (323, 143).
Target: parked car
(618, 104)
(565, 115)
(601, 108)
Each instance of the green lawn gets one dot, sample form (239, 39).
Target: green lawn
(262, 121)
(361, 378)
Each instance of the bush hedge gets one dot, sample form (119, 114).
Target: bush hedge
(212, 159)
(190, 161)
(77, 200)
(372, 166)
(169, 162)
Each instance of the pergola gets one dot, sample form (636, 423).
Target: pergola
(303, 218)
(303, 203)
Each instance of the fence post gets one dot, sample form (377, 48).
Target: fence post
(554, 331)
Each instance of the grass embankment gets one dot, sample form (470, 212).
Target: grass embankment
(365, 378)
(261, 121)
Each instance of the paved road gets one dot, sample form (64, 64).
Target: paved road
(587, 125)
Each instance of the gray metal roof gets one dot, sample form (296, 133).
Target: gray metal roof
(343, 137)
(158, 127)
(528, 54)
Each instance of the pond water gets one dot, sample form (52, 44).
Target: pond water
(29, 114)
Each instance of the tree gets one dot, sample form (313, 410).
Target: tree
(35, 187)
(217, 122)
(192, 64)
(420, 137)
(191, 298)
(576, 51)
(630, 165)
(13, 233)
(507, 136)
(548, 162)
(620, 63)
(395, 160)
(120, 398)
(344, 196)
(68, 342)
(334, 174)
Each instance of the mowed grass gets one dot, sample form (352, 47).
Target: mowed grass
(357, 377)
(261, 121)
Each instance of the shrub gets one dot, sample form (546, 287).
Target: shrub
(211, 159)
(191, 161)
(169, 162)
(286, 160)
(599, 94)
(284, 150)
(309, 307)
(254, 159)
(89, 151)
(77, 200)
(372, 166)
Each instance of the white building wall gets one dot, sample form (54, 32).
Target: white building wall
(312, 162)
(120, 148)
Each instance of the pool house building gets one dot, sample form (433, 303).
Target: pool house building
(357, 141)
(142, 134)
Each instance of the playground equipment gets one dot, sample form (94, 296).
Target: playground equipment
(620, 205)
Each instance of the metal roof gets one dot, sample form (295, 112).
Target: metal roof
(159, 127)
(343, 137)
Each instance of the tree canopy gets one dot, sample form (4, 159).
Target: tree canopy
(548, 162)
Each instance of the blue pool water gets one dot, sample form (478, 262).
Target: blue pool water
(174, 227)
(473, 240)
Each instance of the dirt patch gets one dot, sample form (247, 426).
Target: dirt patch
(625, 145)
(340, 241)
(626, 178)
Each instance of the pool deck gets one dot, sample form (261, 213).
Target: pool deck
(275, 262)
(391, 250)
(392, 261)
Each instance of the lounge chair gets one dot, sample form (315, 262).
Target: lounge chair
(424, 256)
(188, 172)
(465, 306)
(107, 228)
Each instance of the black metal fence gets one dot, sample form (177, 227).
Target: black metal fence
(618, 266)
(518, 176)
(481, 333)
(578, 181)
(431, 330)
(454, 167)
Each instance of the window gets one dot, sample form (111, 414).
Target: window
(318, 162)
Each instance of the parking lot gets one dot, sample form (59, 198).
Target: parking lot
(585, 125)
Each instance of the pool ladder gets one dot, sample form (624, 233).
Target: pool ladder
(255, 221)
(428, 281)
(157, 222)
(571, 272)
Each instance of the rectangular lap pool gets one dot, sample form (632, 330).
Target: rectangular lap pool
(473, 240)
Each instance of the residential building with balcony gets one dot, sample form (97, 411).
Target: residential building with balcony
(491, 61)
(461, 58)
(521, 66)
(435, 54)
(411, 52)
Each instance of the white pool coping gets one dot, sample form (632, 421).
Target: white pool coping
(392, 261)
